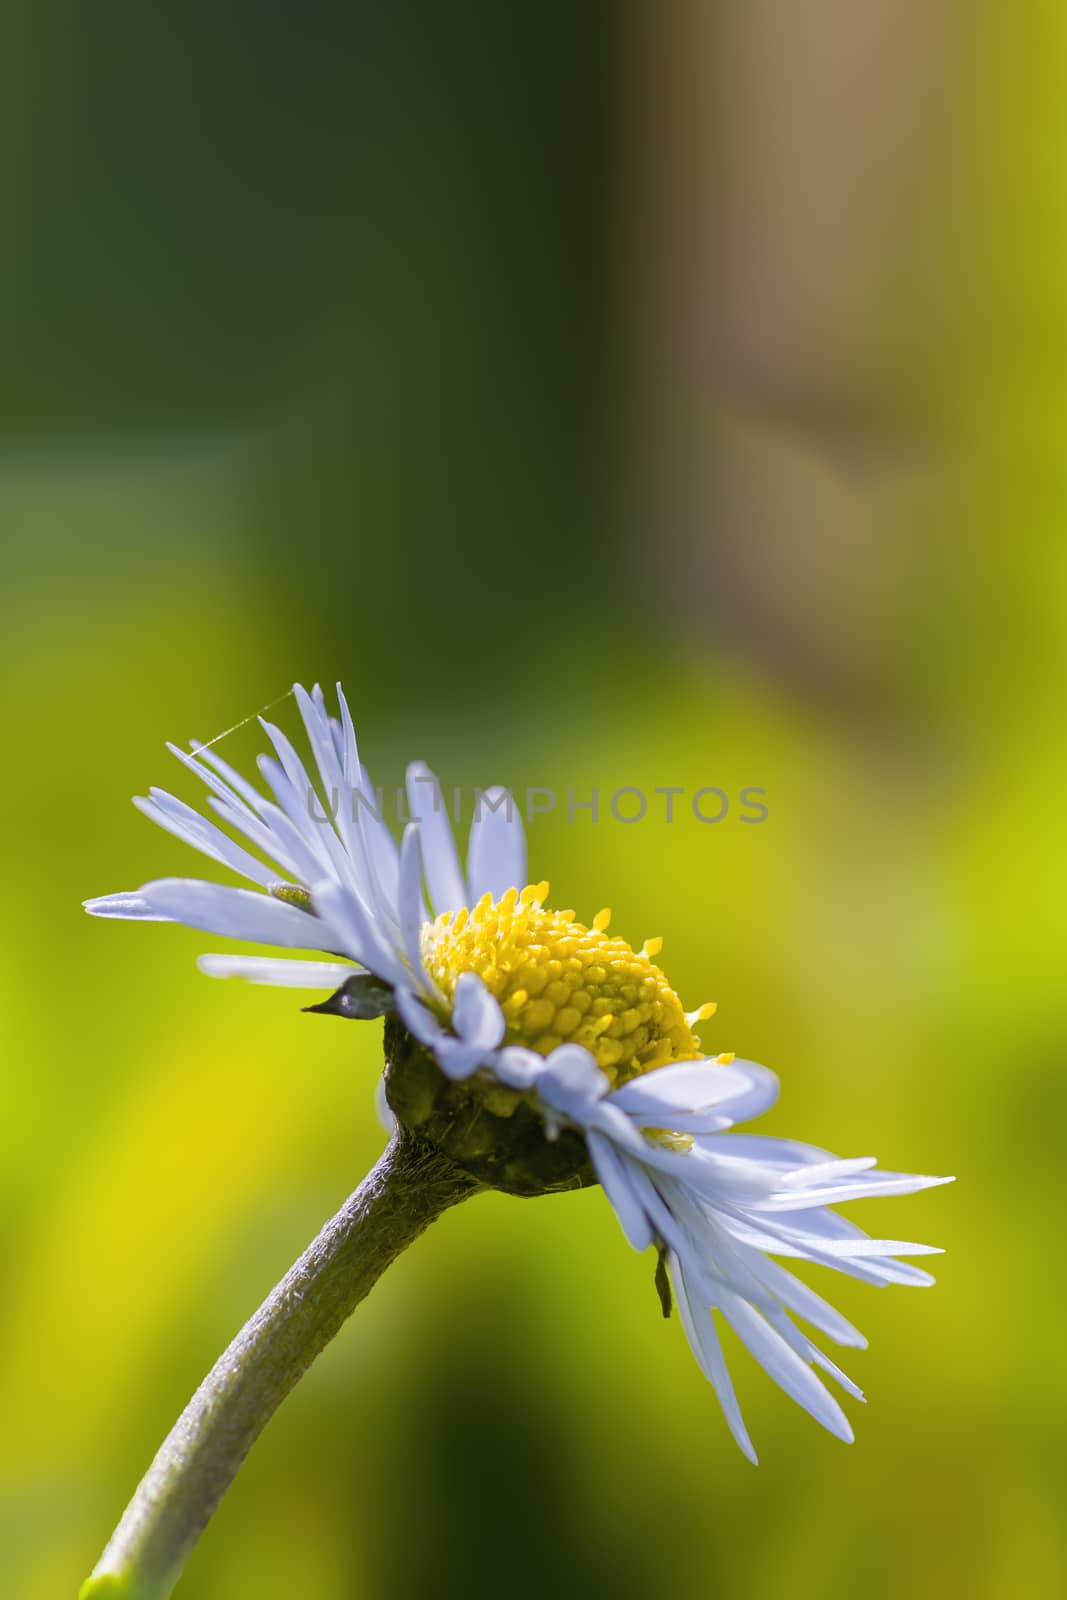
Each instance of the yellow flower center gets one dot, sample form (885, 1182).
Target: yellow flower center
(558, 982)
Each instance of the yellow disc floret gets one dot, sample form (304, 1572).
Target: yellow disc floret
(559, 982)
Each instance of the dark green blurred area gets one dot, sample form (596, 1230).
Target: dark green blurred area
(358, 247)
(608, 398)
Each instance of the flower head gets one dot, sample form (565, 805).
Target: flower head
(558, 982)
(537, 1051)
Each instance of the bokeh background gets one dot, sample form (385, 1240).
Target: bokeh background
(608, 395)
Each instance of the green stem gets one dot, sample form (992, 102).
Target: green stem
(409, 1186)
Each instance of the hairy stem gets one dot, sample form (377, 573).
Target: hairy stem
(409, 1186)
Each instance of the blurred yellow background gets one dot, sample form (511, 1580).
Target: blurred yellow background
(608, 397)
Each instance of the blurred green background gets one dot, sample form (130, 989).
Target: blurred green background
(614, 396)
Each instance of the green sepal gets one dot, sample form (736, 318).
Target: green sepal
(662, 1279)
(361, 998)
(493, 1133)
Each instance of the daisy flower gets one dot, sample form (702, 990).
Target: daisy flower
(537, 1052)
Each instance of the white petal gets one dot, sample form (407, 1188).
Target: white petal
(791, 1236)
(835, 1241)
(612, 1171)
(836, 1373)
(240, 785)
(782, 1363)
(819, 1225)
(448, 891)
(571, 1081)
(417, 1018)
(699, 1325)
(276, 972)
(457, 1059)
(353, 928)
(275, 835)
(378, 841)
(765, 1148)
(305, 827)
(810, 1353)
(411, 911)
(234, 913)
(320, 700)
(496, 854)
(698, 1123)
(592, 1111)
(803, 1229)
(870, 1184)
(186, 824)
(687, 1086)
(298, 796)
(298, 799)
(130, 906)
(323, 746)
(380, 847)
(758, 1098)
(665, 1224)
(476, 1016)
(880, 1247)
(725, 1258)
(807, 1304)
(896, 1272)
(794, 1238)
(320, 736)
(879, 1183)
(721, 1179)
(206, 776)
(819, 1172)
(518, 1067)
(664, 1201)
(293, 801)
